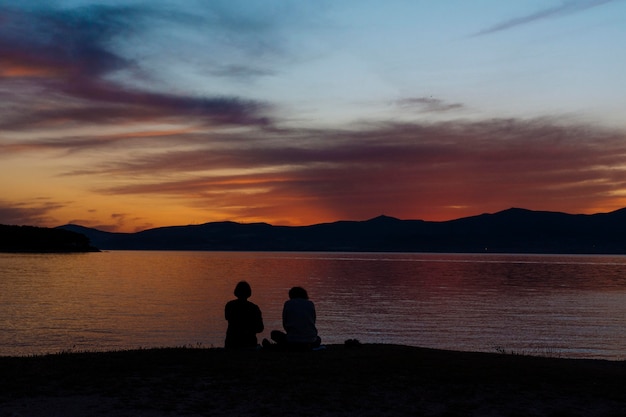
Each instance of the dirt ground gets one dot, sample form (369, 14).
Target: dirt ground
(366, 380)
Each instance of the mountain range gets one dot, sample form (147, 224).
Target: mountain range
(510, 231)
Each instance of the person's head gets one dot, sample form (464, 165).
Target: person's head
(243, 290)
(298, 292)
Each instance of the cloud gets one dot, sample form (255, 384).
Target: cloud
(565, 8)
(63, 43)
(432, 171)
(58, 68)
(105, 104)
(117, 222)
(538, 163)
(28, 213)
(240, 71)
(427, 104)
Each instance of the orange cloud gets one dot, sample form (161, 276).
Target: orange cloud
(435, 172)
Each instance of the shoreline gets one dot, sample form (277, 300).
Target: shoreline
(365, 380)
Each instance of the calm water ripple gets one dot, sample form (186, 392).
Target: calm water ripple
(566, 306)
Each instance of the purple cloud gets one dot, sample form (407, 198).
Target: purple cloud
(495, 163)
(35, 212)
(55, 68)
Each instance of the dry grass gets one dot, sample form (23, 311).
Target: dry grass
(370, 380)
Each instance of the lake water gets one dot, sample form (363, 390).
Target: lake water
(562, 306)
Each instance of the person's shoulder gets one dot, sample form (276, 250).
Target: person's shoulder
(299, 302)
(233, 303)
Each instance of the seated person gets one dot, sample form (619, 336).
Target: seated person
(244, 319)
(299, 322)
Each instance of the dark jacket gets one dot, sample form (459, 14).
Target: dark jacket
(244, 322)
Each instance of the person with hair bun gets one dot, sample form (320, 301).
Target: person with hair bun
(299, 322)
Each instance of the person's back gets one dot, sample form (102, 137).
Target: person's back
(244, 319)
(299, 321)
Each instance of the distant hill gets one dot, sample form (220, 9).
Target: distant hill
(510, 231)
(41, 239)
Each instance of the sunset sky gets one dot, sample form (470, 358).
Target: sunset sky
(127, 115)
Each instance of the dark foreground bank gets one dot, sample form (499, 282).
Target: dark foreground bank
(370, 380)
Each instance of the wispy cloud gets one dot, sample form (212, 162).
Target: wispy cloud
(494, 163)
(38, 211)
(565, 8)
(427, 104)
(240, 71)
(408, 170)
(58, 68)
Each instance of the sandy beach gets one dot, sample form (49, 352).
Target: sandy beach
(368, 380)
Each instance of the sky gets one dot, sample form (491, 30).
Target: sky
(127, 115)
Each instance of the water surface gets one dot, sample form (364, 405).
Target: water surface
(566, 306)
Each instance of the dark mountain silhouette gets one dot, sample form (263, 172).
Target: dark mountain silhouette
(510, 231)
(40, 239)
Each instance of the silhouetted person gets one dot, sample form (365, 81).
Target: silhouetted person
(298, 321)
(244, 319)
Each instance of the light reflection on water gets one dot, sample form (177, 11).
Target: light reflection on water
(568, 306)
